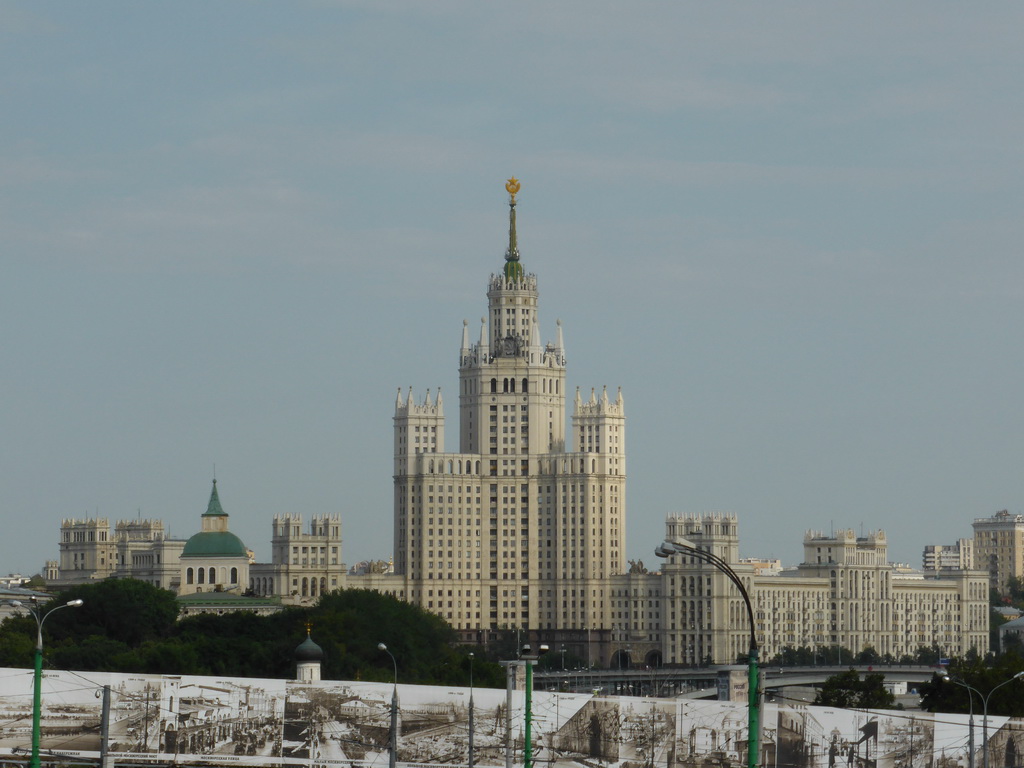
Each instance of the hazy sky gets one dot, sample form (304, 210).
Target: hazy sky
(791, 232)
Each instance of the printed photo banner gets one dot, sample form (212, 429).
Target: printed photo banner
(188, 719)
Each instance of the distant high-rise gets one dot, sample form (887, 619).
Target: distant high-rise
(945, 557)
(999, 547)
(521, 527)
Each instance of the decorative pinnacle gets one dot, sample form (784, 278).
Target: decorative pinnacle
(513, 270)
(512, 187)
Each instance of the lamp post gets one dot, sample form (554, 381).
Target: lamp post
(984, 713)
(471, 710)
(36, 610)
(393, 730)
(970, 723)
(528, 656)
(684, 547)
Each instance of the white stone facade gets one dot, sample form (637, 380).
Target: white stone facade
(305, 560)
(90, 550)
(844, 594)
(523, 526)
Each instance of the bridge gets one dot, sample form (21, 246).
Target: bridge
(702, 682)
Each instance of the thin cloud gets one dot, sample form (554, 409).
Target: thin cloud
(663, 94)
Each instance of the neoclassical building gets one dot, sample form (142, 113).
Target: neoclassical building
(215, 559)
(845, 593)
(522, 526)
(91, 550)
(305, 560)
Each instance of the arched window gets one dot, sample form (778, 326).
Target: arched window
(305, 587)
(202, 575)
(449, 466)
(504, 385)
(512, 385)
(524, 385)
(189, 576)
(234, 575)
(494, 385)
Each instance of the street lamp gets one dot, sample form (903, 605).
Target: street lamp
(471, 710)
(984, 714)
(684, 547)
(36, 609)
(393, 731)
(970, 723)
(530, 657)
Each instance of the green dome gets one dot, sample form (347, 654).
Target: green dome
(214, 544)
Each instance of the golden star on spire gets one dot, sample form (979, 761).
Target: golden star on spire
(512, 187)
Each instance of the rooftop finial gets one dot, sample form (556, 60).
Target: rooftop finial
(512, 187)
(513, 269)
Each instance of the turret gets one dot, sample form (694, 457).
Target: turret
(419, 428)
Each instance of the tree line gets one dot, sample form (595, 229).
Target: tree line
(126, 625)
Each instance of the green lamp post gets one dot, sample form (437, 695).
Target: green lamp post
(684, 547)
(529, 657)
(34, 607)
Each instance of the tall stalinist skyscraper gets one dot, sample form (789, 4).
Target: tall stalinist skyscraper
(520, 528)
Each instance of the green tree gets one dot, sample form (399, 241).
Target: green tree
(795, 657)
(941, 695)
(869, 656)
(1015, 589)
(17, 641)
(995, 621)
(847, 690)
(127, 610)
(129, 626)
(927, 655)
(116, 616)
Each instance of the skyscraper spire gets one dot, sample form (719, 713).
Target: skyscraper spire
(513, 269)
